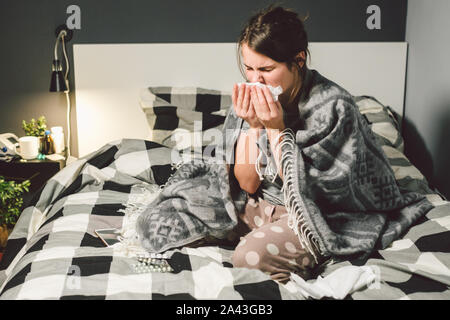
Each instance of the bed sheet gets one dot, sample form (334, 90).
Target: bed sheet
(53, 252)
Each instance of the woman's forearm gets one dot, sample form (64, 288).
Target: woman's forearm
(245, 159)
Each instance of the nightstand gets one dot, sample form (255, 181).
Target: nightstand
(37, 171)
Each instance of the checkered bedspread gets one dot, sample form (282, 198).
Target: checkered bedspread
(53, 252)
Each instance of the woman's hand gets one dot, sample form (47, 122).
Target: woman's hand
(268, 111)
(243, 107)
(270, 114)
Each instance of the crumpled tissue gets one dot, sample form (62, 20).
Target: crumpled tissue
(276, 91)
(338, 284)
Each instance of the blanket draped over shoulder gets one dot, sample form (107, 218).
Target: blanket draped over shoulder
(339, 189)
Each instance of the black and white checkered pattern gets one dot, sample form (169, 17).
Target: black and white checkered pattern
(176, 115)
(53, 252)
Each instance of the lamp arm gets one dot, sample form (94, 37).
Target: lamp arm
(67, 92)
(63, 34)
(60, 35)
(67, 61)
(68, 123)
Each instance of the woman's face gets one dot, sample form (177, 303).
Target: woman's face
(260, 68)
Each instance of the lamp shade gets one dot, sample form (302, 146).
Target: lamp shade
(58, 82)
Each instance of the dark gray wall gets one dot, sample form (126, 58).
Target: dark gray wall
(27, 38)
(427, 103)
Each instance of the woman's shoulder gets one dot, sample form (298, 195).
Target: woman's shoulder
(326, 102)
(324, 93)
(325, 88)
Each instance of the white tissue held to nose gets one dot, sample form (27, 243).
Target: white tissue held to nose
(275, 91)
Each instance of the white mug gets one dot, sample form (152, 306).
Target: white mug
(29, 147)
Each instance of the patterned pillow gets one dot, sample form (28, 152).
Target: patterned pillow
(184, 117)
(385, 126)
(383, 121)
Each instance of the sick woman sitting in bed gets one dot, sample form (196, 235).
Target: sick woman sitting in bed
(316, 183)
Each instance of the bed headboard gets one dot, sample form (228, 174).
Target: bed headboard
(109, 78)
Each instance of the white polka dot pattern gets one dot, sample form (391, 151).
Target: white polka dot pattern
(259, 234)
(268, 211)
(290, 247)
(272, 249)
(252, 258)
(243, 242)
(258, 221)
(305, 261)
(276, 229)
(252, 202)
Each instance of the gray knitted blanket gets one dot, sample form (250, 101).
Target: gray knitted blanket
(338, 186)
(195, 203)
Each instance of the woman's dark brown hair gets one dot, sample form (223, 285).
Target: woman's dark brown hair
(279, 34)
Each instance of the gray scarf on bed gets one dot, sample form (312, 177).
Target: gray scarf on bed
(338, 187)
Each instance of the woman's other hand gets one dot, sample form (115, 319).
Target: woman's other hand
(268, 111)
(243, 107)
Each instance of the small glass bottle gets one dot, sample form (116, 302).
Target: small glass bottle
(48, 146)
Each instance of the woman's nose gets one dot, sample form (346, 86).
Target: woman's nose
(257, 77)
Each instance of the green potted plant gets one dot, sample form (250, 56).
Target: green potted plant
(36, 128)
(11, 202)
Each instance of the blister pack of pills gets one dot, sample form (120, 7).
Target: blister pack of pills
(152, 263)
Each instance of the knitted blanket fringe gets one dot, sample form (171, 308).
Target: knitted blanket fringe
(293, 201)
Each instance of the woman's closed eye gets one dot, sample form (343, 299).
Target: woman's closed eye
(262, 69)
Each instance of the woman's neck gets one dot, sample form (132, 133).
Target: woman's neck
(293, 104)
